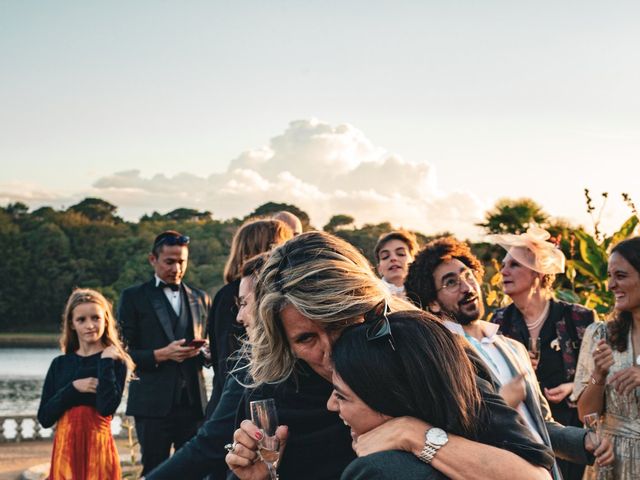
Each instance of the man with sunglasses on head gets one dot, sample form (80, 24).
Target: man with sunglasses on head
(161, 322)
(444, 278)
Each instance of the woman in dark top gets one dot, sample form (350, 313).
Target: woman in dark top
(252, 238)
(310, 289)
(83, 389)
(528, 272)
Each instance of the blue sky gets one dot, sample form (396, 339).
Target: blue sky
(455, 104)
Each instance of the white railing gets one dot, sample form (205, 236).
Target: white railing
(19, 428)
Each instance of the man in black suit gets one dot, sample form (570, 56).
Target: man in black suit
(159, 319)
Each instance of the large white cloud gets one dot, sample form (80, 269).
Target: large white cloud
(323, 169)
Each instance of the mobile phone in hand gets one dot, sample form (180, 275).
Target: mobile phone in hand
(196, 343)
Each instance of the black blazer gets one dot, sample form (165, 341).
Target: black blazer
(223, 332)
(146, 326)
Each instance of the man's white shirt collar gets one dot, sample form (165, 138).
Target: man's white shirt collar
(489, 330)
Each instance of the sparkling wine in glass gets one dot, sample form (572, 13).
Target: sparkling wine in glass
(534, 347)
(265, 417)
(593, 424)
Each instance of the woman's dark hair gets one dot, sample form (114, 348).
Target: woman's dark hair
(427, 376)
(619, 327)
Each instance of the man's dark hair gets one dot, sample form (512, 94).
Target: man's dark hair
(420, 285)
(168, 237)
(428, 375)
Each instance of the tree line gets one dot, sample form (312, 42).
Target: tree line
(48, 252)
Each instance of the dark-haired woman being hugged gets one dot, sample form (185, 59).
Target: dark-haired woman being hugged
(83, 389)
(608, 375)
(416, 368)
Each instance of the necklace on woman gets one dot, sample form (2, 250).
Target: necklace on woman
(537, 323)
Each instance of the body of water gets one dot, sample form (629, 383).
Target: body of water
(22, 372)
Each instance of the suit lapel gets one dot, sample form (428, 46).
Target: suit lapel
(196, 313)
(160, 307)
(516, 365)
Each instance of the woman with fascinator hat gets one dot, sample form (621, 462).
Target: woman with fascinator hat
(528, 271)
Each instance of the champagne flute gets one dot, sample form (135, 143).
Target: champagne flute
(265, 417)
(534, 347)
(593, 424)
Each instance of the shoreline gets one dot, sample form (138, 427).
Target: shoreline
(29, 340)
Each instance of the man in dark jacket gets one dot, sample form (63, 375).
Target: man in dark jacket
(159, 320)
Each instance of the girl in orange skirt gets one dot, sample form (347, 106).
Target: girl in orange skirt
(83, 389)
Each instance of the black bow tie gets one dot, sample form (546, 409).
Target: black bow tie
(173, 286)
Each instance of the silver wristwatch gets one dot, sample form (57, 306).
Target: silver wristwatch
(434, 439)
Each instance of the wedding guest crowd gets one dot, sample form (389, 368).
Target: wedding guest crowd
(373, 377)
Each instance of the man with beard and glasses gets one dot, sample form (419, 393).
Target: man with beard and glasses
(443, 278)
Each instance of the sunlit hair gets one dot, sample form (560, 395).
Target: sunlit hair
(620, 324)
(420, 285)
(325, 279)
(69, 339)
(406, 237)
(252, 238)
(428, 375)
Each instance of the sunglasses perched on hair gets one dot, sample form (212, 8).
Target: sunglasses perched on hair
(172, 241)
(380, 327)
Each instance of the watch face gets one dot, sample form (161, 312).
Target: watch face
(437, 436)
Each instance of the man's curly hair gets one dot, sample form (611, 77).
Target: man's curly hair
(420, 286)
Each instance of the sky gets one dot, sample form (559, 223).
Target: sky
(420, 113)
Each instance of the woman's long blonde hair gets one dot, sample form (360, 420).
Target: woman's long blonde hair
(69, 339)
(254, 237)
(323, 277)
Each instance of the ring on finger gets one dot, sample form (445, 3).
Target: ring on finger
(230, 447)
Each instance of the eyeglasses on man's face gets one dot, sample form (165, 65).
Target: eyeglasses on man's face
(453, 282)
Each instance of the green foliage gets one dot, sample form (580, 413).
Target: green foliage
(270, 208)
(586, 272)
(51, 252)
(97, 210)
(513, 216)
(338, 221)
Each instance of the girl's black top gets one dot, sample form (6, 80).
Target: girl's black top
(59, 394)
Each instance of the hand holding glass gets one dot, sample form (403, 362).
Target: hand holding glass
(265, 417)
(593, 424)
